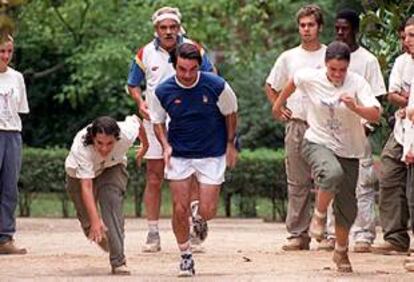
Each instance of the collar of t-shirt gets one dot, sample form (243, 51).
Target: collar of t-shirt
(187, 87)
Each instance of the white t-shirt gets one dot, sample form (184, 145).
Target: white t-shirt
(401, 77)
(13, 100)
(366, 65)
(331, 123)
(408, 140)
(85, 163)
(284, 68)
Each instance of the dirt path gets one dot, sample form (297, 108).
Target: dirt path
(237, 250)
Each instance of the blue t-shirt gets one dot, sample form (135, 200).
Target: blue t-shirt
(197, 128)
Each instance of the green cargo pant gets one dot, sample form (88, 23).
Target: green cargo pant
(109, 189)
(335, 175)
(393, 207)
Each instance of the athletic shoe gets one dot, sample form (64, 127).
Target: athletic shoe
(120, 270)
(153, 243)
(387, 248)
(326, 245)
(342, 262)
(297, 244)
(362, 247)
(196, 246)
(9, 248)
(199, 228)
(186, 266)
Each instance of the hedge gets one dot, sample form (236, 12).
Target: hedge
(259, 174)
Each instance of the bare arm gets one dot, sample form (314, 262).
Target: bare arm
(371, 114)
(398, 99)
(271, 94)
(161, 133)
(231, 151)
(136, 94)
(97, 229)
(279, 111)
(143, 148)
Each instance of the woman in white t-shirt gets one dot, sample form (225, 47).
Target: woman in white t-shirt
(96, 172)
(13, 101)
(335, 139)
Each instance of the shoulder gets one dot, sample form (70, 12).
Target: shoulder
(14, 73)
(198, 45)
(212, 79)
(355, 78)
(145, 50)
(363, 53)
(165, 87)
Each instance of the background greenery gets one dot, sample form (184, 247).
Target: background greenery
(75, 56)
(256, 187)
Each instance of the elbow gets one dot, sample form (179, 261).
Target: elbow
(376, 116)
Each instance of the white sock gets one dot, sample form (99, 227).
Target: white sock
(153, 226)
(194, 207)
(185, 248)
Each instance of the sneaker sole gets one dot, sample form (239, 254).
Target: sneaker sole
(389, 253)
(186, 273)
(153, 249)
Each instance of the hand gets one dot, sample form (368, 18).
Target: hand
(282, 114)
(402, 113)
(405, 94)
(97, 231)
(143, 110)
(409, 158)
(349, 102)
(231, 155)
(139, 155)
(167, 155)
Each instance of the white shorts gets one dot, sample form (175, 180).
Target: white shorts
(154, 149)
(207, 171)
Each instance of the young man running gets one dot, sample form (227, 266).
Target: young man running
(152, 65)
(365, 64)
(200, 143)
(335, 140)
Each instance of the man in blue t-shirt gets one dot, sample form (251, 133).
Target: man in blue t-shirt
(151, 65)
(200, 141)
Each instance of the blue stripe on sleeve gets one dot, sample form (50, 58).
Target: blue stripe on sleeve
(135, 75)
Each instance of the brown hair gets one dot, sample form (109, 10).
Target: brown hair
(310, 10)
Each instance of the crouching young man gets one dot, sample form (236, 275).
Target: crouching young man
(200, 140)
(96, 172)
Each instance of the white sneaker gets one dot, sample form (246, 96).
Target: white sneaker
(196, 246)
(120, 270)
(153, 243)
(186, 266)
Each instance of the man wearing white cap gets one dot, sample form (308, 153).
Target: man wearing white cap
(152, 65)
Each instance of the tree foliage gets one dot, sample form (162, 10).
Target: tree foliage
(75, 56)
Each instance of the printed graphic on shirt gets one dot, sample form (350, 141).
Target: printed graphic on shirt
(5, 113)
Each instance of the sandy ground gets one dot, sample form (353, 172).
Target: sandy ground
(236, 250)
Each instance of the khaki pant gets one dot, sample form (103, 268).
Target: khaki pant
(393, 207)
(109, 189)
(298, 179)
(335, 175)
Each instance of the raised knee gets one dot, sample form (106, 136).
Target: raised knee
(333, 175)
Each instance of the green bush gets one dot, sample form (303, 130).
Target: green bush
(259, 174)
